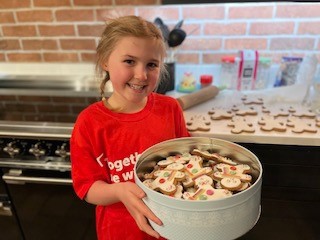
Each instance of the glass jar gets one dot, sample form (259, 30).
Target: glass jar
(263, 73)
(229, 72)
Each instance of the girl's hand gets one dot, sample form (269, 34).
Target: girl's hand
(131, 196)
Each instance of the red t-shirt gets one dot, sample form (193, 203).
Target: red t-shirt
(105, 146)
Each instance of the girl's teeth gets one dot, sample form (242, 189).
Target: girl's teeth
(136, 87)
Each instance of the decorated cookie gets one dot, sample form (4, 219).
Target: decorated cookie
(244, 110)
(302, 112)
(276, 111)
(178, 158)
(241, 125)
(270, 123)
(203, 180)
(178, 193)
(238, 172)
(198, 123)
(207, 192)
(220, 113)
(299, 125)
(194, 168)
(252, 100)
(213, 156)
(166, 181)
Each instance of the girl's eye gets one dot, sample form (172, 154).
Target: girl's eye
(129, 61)
(152, 65)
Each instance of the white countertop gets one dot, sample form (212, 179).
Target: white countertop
(277, 97)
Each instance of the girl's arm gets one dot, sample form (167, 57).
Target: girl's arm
(102, 193)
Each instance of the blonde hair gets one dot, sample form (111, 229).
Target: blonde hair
(127, 26)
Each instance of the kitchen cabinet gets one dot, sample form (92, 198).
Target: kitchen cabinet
(290, 198)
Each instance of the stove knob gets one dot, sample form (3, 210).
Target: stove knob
(62, 151)
(11, 149)
(37, 151)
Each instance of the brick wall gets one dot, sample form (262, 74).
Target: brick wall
(68, 30)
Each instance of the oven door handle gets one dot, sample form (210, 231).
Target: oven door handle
(10, 179)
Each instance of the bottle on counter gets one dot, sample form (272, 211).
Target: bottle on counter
(229, 72)
(263, 73)
(206, 80)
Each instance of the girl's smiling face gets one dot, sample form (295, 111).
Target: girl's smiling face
(134, 69)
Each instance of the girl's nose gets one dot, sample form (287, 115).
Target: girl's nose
(140, 73)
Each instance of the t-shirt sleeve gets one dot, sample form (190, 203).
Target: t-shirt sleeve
(85, 169)
(182, 130)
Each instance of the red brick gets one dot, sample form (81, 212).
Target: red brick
(10, 44)
(192, 58)
(7, 98)
(225, 28)
(91, 30)
(56, 30)
(24, 57)
(35, 16)
(135, 2)
(19, 31)
(201, 44)
(9, 116)
(39, 44)
(265, 28)
(202, 12)
(192, 29)
(34, 99)
(104, 14)
(5, 4)
(298, 10)
(68, 100)
(292, 44)
(309, 28)
(21, 107)
(60, 57)
(2, 57)
(246, 43)
(66, 118)
(78, 44)
(89, 57)
(74, 15)
(248, 12)
(51, 3)
(166, 13)
(92, 2)
(6, 17)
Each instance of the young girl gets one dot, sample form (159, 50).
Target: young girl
(109, 135)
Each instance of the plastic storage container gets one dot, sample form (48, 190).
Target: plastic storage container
(229, 72)
(263, 73)
(206, 80)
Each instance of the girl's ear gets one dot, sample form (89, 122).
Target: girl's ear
(104, 66)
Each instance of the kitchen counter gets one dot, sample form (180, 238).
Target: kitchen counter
(279, 97)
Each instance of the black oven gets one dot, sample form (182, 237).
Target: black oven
(36, 178)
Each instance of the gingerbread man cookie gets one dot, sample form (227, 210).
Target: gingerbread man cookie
(276, 111)
(220, 113)
(270, 123)
(226, 174)
(318, 121)
(244, 110)
(240, 125)
(207, 192)
(252, 100)
(302, 112)
(194, 168)
(178, 158)
(166, 181)
(213, 156)
(198, 123)
(300, 126)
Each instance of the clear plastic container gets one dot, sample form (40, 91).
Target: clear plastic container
(288, 71)
(229, 72)
(263, 73)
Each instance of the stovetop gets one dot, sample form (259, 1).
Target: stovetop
(35, 145)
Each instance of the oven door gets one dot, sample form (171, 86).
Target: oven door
(47, 206)
(8, 218)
